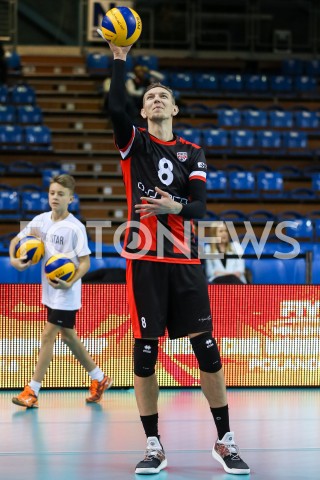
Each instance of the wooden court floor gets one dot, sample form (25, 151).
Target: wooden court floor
(277, 430)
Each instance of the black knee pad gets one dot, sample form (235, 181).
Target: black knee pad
(145, 354)
(206, 351)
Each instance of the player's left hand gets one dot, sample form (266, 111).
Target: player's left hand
(59, 284)
(158, 206)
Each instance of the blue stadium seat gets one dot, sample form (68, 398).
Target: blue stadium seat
(256, 83)
(206, 81)
(150, 61)
(11, 275)
(289, 171)
(281, 83)
(13, 61)
(292, 66)
(231, 82)
(182, 81)
(217, 184)
(315, 183)
(23, 94)
(268, 271)
(9, 203)
(33, 201)
(98, 63)
(74, 206)
(254, 118)
(270, 185)
(38, 138)
(269, 139)
(215, 139)
(242, 184)
(306, 119)
(242, 139)
(229, 118)
(312, 67)
(22, 167)
(197, 108)
(48, 173)
(29, 114)
(303, 228)
(280, 119)
(302, 193)
(11, 137)
(4, 94)
(305, 84)
(289, 215)
(7, 114)
(295, 140)
(193, 135)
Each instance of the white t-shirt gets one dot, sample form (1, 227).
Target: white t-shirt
(66, 236)
(232, 265)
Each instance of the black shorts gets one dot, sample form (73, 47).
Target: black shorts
(167, 295)
(62, 318)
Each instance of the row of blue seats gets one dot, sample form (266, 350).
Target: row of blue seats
(32, 137)
(264, 271)
(27, 202)
(303, 226)
(275, 118)
(33, 274)
(297, 66)
(24, 167)
(23, 114)
(287, 171)
(267, 185)
(18, 94)
(280, 142)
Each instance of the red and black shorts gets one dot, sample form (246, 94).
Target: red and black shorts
(167, 295)
(62, 318)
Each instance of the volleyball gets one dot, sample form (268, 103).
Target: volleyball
(59, 266)
(121, 26)
(30, 246)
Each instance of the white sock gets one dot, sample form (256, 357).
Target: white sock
(35, 386)
(96, 374)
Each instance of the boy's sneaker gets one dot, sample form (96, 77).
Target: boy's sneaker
(226, 452)
(154, 460)
(27, 398)
(97, 389)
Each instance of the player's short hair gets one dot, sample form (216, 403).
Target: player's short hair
(158, 84)
(65, 180)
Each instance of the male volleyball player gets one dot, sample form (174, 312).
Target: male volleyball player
(61, 232)
(165, 176)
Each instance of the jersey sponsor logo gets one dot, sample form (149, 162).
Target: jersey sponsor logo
(182, 156)
(202, 165)
(150, 192)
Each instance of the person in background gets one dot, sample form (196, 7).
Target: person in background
(62, 299)
(224, 270)
(136, 84)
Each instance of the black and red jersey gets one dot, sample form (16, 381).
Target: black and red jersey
(148, 162)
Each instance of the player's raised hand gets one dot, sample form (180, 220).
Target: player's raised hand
(118, 52)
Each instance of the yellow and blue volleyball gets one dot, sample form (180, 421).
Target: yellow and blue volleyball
(121, 26)
(59, 266)
(30, 246)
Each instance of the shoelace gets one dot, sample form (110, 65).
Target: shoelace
(234, 451)
(94, 386)
(150, 453)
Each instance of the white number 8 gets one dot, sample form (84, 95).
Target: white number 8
(165, 171)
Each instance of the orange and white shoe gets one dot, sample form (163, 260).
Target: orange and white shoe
(97, 388)
(27, 398)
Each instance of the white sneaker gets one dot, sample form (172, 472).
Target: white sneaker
(154, 460)
(226, 452)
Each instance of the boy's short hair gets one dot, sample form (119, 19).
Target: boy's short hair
(158, 84)
(65, 180)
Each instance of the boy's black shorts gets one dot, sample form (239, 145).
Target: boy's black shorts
(62, 318)
(167, 295)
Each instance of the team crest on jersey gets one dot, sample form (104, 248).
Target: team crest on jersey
(182, 156)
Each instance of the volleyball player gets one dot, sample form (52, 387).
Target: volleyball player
(165, 176)
(60, 232)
